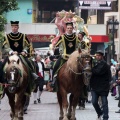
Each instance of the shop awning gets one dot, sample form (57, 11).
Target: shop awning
(99, 38)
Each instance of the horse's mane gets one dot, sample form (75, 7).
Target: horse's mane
(72, 61)
(13, 62)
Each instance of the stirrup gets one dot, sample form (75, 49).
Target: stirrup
(35, 76)
(53, 81)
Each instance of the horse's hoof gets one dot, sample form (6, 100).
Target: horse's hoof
(72, 119)
(20, 118)
(81, 108)
(69, 117)
(11, 115)
(60, 118)
(65, 118)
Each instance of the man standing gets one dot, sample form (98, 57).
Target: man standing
(40, 81)
(99, 83)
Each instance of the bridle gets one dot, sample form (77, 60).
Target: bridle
(84, 70)
(75, 72)
(16, 83)
(80, 64)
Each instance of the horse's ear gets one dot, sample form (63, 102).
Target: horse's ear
(18, 61)
(79, 50)
(8, 61)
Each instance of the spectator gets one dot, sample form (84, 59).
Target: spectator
(113, 72)
(118, 84)
(99, 83)
(40, 82)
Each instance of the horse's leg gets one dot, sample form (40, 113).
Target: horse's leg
(21, 113)
(11, 98)
(18, 106)
(60, 104)
(64, 104)
(74, 104)
(81, 103)
(70, 105)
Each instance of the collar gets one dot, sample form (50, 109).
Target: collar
(15, 33)
(69, 34)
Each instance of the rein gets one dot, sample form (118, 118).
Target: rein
(75, 72)
(5, 84)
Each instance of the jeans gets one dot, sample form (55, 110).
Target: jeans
(95, 97)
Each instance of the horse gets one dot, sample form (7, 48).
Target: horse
(71, 78)
(16, 75)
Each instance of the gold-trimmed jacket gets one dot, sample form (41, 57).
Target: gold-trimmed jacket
(67, 44)
(16, 42)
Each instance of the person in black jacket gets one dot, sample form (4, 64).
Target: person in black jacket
(99, 83)
(40, 68)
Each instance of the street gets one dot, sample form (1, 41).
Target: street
(48, 109)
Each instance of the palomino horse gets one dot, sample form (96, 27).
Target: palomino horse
(16, 75)
(71, 78)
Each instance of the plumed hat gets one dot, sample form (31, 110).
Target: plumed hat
(14, 23)
(82, 33)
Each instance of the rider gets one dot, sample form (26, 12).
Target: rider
(81, 36)
(67, 44)
(18, 43)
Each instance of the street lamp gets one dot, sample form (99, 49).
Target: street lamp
(113, 26)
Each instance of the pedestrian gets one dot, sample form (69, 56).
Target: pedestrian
(113, 72)
(100, 84)
(118, 84)
(40, 82)
(0, 104)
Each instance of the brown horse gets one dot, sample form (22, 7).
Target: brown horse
(16, 75)
(71, 78)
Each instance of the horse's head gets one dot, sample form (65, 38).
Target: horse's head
(13, 74)
(84, 61)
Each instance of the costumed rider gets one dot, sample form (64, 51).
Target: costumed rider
(83, 43)
(84, 94)
(18, 43)
(67, 44)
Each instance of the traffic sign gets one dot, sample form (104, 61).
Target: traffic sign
(95, 7)
(97, 0)
(95, 4)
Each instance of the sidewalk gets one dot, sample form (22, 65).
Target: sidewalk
(48, 109)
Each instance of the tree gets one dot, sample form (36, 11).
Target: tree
(6, 6)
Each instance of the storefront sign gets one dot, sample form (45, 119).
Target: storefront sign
(40, 38)
(95, 4)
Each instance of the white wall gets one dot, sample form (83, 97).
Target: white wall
(49, 28)
(98, 29)
(37, 28)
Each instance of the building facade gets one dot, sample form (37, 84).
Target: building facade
(37, 15)
(24, 14)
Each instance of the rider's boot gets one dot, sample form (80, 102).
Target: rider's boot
(35, 76)
(54, 81)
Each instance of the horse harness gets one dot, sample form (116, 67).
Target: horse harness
(80, 63)
(15, 83)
